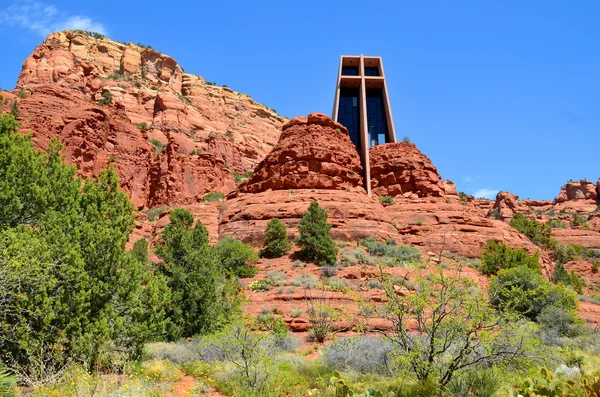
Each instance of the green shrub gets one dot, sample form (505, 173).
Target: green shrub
(239, 178)
(556, 223)
(579, 221)
(237, 257)
(261, 285)
(314, 239)
(498, 256)
(153, 213)
(564, 253)
(107, 98)
(399, 254)
(158, 145)
(527, 292)
(69, 291)
(563, 322)
(276, 240)
(538, 233)
(212, 197)
(14, 108)
(8, 383)
(386, 200)
(142, 126)
(204, 298)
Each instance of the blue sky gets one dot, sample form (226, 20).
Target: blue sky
(499, 95)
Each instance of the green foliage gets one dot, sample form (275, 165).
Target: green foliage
(142, 126)
(261, 285)
(153, 213)
(314, 239)
(154, 88)
(8, 383)
(276, 240)
(237, 257)
(70, 291)
(203, 298)
(158, 145)
(498, 256)
(550, 385)
(579, 221)
(526, 292)
(140, 251)
(22, 94)
(538, 233)
(556, 223)
(459, 330)
(14, 108)
(564, 253)
(477, 383)
(386, 200)
(399, 255)
(212, 197)
(107, 98)
(239, 178)
(406, 139)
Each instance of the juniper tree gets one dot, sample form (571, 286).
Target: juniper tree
(314, 239)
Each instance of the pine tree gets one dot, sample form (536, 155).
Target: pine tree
(276, 240)
(314, 239)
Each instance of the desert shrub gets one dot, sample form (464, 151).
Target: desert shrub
(479, 383)
(556, 223)
(386, 200)
(374, 283)
(158, 145)
(560, 321)
(140, 251)
(107, 98)
(153, 213)
(335, 284)
(276, 240)
(307, 281)
(564, 253)
(212, 197)
(286, 343)
(365, 355)
(204, 297)
(527, 292)
(142, 126)
(549, 384)
(579, 221)
(237, 257)
(538, 233)
(329, 271)
(498, 256)
(356, 256)
(400, 255)
(314, 239)
(175, 352)
(278, 277)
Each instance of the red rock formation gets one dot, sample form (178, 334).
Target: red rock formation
(580, 190)
(508, 204)
(354, 216)
(312, 153)
(462, 229)
(150, 98)
(400, 168)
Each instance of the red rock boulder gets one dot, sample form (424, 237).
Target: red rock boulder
(580, 190)
(313, 152)
(400, 168)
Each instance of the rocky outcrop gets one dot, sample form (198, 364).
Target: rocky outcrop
(580, 190)
(508, 204)
(400, 168)
(354, 216)
(107, 100)
(441, 226)
(313, 152)
(177, 179)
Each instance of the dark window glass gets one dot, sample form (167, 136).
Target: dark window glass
(376, 121)
(348, 113)
(350, 70)
(371, 71)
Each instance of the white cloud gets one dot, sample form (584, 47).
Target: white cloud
(44, 19)
(486, 193)
(468, 179)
